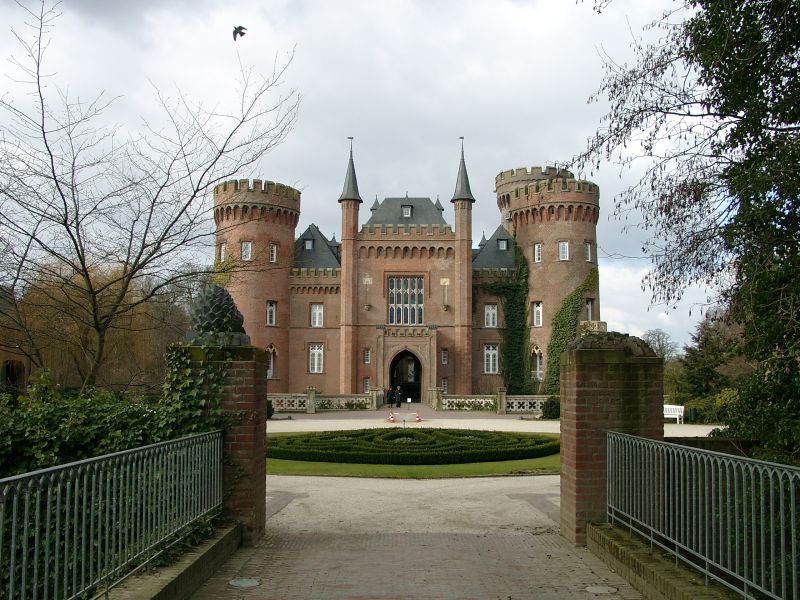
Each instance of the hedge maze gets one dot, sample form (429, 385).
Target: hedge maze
(411, 446)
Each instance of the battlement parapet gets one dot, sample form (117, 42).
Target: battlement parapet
(491, 272)
(404, 231)
(255, 191)
(550, 180)
(314, 274)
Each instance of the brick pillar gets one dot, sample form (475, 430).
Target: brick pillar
(609, 382)
(244, 397)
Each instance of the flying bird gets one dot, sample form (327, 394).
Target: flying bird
(238, 30)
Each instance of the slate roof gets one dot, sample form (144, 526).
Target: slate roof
(324, 254)
(423, 212)
(491, 257)
(350, 187)
(463, 191)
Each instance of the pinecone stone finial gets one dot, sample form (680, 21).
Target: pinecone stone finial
(215, 319)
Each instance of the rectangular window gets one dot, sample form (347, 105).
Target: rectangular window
(445, 356)
(502, 244)
(406, 300)
(537, 314)
(272, 312)
(366, 385)
(367, 356)
(316, 315)
(247, 250)
(308, 244)
(588, 246)
(589, 309)
(407, 212)
(273, 253)
(490, 359)
(222, 252)
(444, 385)
(563, 250)
(315, 353)
(537, 253)
(490, 315)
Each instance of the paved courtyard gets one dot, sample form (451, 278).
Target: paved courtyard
(350, 538)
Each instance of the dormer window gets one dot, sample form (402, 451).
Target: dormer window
(308, 244)
(406, 211)
(502, 244)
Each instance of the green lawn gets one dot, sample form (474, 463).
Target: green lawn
(533, 466)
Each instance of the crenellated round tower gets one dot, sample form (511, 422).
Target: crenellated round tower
(255, 238)
(553, 217)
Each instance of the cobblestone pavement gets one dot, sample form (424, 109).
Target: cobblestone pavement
(350, 538)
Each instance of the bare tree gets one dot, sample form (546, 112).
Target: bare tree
(90, 214)
(661, 343)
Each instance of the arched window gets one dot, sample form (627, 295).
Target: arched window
(272, 356)
(537, 364)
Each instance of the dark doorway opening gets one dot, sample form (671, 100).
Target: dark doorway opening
(406, 371)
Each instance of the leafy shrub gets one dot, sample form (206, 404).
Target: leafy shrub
(411, 446)
(551, 408)
(714, 408)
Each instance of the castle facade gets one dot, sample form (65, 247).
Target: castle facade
(404, 299)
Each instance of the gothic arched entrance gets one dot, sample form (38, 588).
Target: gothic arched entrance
(406, 371)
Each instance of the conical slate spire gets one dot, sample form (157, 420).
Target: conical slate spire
(350, 189)
(438, 204)
(462, 182)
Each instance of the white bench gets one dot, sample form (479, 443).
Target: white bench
(673, 411)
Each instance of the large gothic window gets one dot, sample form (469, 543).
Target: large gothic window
(406, 300)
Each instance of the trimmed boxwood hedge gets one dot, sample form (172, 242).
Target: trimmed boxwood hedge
(411, 446)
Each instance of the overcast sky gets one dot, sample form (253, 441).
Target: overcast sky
(405, 79)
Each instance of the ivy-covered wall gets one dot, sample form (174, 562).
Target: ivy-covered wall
(564, 329)
(515, 345)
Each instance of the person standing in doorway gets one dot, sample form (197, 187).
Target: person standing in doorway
(398, 396)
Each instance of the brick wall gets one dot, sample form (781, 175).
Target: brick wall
(609, 382)
(244, 445)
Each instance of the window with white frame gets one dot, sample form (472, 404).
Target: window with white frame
(367, 356)
(588, 251)
(537, 253)
(490, 315)
(272, 312)
(590, 309)
(273, 253)
(445, 356)
(247, 251)
(308, 244)
(538, 364)
(406, 300)
(317, 315)
(490, 359)
(444, 385)
(315, 355)
(272, 355)
(537, 314)
(222, 252)
(563, 250)
(502, 244)
(406, 211)
(366, 385)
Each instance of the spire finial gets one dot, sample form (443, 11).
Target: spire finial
(462, 182)
(350, 189)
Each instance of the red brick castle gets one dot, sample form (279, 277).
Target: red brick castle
(402, 300)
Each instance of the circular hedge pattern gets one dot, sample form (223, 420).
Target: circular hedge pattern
(411, 446)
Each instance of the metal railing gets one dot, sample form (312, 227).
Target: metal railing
(735, 519)
(70, 530)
